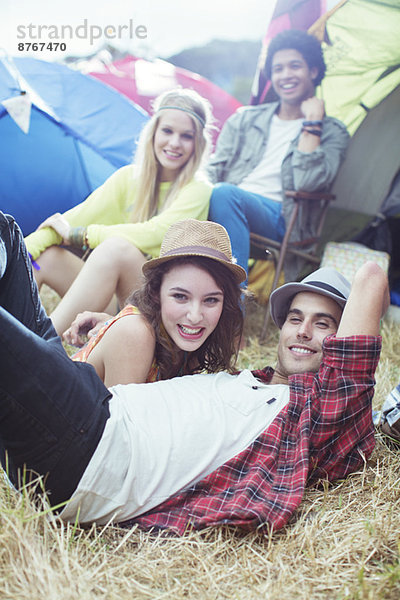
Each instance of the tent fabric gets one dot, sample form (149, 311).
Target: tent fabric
(362, 53)
(362, 88)
(391, 204)
(80, 132)
(143, 80)
(372, 161)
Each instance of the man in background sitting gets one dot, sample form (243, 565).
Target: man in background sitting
(285, 145)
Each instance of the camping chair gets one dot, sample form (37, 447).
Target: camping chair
(281, 249)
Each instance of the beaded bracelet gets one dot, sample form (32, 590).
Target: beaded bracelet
(312, 123)
(78, 237)
(85, 241)
(317, 132)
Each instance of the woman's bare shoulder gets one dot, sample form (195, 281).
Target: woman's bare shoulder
(132, 328)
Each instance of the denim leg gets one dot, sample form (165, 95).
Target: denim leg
(242, 212)
(52, 410)
(18, 290)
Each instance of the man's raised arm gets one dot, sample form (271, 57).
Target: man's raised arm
(367, 303)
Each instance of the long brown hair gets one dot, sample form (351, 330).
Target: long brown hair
(219, 351)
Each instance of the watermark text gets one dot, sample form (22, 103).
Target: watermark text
(84, 31)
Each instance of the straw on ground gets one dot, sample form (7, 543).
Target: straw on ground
(343, 544)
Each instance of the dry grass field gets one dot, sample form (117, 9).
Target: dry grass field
(343, 544)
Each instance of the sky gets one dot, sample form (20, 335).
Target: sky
(150, 27)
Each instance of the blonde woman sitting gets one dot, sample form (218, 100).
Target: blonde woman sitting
(124, 221)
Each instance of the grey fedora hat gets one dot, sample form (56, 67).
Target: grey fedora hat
(325, 281)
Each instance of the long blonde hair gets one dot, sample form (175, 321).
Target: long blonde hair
(148, 168)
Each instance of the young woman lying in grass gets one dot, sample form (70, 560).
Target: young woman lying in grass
(186, 317)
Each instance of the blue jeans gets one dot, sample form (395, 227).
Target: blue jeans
(52, 410)
(242, 212)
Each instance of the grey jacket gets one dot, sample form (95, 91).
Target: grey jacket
(241, 145)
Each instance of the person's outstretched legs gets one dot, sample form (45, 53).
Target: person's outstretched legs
(52, 410)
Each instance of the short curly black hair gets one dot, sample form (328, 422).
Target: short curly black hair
(308, 46)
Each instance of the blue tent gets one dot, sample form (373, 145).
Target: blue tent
(80, 131)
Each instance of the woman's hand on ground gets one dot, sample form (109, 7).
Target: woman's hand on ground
(86, 324)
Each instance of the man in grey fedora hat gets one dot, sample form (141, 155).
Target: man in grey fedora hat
(306, 313)
(199, 450)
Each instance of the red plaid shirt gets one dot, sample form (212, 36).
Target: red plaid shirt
(324, 432)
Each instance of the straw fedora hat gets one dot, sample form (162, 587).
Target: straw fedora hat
(197, 238)
(325, 281)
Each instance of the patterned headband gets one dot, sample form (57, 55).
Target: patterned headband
(187, 110)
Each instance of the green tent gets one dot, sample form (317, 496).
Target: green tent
(362, 89)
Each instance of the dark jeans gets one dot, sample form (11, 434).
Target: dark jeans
(52, 410)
